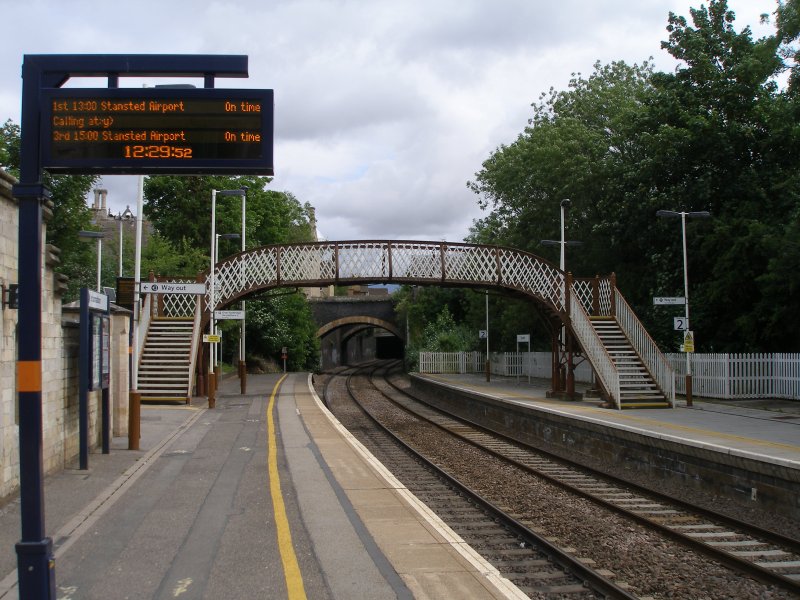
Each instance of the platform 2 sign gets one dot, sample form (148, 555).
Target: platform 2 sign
(157, 131)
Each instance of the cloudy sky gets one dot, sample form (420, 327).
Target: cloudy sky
(384, 109)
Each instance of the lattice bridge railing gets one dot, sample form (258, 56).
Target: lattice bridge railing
(333, 263)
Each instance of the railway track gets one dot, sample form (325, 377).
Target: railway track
(767, 556)
(538, 567)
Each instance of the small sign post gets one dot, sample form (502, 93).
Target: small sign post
(680, 323)
(669, 301)
(521, 339)
(688, 342)
(171, 287)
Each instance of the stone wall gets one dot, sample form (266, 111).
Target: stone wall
(59, 362)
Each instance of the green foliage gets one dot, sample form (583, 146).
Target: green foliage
(180, 208)
(181, 259)
(717, 134)
(70, 215)
(283, 320)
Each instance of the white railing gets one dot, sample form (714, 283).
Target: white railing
(727, 376)
(538, 365)
(198, 316)
(144, 325)
(734, 376)
(594, 349)
(652, 357)
(451, 362)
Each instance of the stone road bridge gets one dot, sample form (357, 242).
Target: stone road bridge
(577, 304)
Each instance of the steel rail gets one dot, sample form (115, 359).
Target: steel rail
(593, 579)
(759, 572)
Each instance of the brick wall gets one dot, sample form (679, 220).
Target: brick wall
(59, 362)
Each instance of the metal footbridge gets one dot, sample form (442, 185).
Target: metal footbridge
(588, 318)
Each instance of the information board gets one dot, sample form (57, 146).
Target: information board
(157, 130)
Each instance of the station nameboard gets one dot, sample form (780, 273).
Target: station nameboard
(157, 130)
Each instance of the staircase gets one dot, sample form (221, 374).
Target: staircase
(637, 388)
(165, 363)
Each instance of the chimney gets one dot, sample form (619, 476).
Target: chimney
(99, 205)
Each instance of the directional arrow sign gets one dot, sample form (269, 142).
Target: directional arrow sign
(222, 315)
(171, 287)
(667, 301)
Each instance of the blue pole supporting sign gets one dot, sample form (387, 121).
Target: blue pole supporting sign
(156, 132)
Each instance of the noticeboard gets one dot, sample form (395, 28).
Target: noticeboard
(157, 130)
(100, 352)
(126, 287)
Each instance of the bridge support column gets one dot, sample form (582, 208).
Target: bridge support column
(242, 377)
(134, 419)
(212, 390)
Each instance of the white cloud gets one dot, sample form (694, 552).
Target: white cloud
(384, 108)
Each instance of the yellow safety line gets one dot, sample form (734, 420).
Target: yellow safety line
(291, 570)
(592, 409)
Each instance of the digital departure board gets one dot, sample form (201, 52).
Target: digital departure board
(157, 131)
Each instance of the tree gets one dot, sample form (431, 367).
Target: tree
(70, 215)
(180, 210)
(717, 134)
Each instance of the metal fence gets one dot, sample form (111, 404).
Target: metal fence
(735, 376)
(507, 364)
(728, 376)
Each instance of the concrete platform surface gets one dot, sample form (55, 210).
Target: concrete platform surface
(266, 495)
(768, 433)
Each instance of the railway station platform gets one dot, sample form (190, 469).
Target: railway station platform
(748, 450)
(264, 496)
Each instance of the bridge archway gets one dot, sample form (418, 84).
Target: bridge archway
(371, 321)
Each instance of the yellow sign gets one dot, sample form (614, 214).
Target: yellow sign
(688, 341)
(213, 339)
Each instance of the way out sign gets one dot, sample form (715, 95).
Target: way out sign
(172, 287)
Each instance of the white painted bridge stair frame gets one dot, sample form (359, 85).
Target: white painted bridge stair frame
(168, 354)
(321, 264)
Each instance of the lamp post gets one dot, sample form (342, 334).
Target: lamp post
(95, 235)
(219, 236)
(562, 264)
(124, 216)
(212, 323)
(671, 214)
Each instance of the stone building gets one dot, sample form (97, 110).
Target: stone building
(59, 360)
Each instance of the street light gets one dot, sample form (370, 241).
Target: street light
(127, 215)
(563, 242)
(212, 323)
(562, 264)
(671, 214)
(95, 235)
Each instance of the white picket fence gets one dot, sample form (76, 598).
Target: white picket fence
(735, 376)
(728, 376)
(507, 364)
(451, 362)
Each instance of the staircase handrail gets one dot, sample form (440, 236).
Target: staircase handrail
(652, 357)
(198, 317)
(144, 324)
(594, 348)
